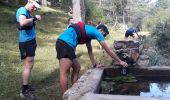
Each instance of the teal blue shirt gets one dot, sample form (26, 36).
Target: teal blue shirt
(70, 36)
(25, 35)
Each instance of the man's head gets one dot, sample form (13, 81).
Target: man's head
(33, 5)
(103, 29)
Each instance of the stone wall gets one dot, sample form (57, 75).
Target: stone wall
(130, 52)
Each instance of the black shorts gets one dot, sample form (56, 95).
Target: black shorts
(127, 34)
(64, 50)
(27, 49)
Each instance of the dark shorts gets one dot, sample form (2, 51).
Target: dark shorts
(64, 50)
(27, 49)
(127, 34)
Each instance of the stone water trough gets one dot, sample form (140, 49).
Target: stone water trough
(88, 87)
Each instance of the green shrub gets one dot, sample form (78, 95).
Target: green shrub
(158, 25)
(93, 13)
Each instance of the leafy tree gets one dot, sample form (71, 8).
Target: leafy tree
(119, 9)
(93, 13)
(65, 4)
(120, 6)
(158, 24)
(162, 4)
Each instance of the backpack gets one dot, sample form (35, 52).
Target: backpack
(26, 27)
(80, 30)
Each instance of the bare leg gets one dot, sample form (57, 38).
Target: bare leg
(65, 65)
(28, 65)
(76, 69)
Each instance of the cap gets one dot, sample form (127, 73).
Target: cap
(104, 28)
(36, 3)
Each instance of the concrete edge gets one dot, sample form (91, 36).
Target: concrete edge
(88, 82)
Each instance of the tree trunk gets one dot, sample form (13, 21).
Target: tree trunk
(78, 10)
(44, 2)
(115, 20)
(100, 3)
(83, 10)
(124, 17)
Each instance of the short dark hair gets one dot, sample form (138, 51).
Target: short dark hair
(104, 28)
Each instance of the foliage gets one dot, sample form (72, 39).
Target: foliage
(65, 4)
(149, 23)
(163, 33)
(158, 24)
(93, 13)
(129, 12)
(13, 2)
(162, 4)
(120, 6)
(136, 12)
(154, 58)
(158, 14)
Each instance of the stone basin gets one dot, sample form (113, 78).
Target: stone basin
(87, 87)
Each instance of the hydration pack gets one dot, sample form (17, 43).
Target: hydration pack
(24, 27)
(80, 30)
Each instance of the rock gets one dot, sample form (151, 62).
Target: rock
(143, 61)
(128, 50)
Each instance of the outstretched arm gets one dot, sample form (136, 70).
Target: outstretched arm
(112, 54)
(91, 55)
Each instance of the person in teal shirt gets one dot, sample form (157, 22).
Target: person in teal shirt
(25, 23)
(66, 46)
